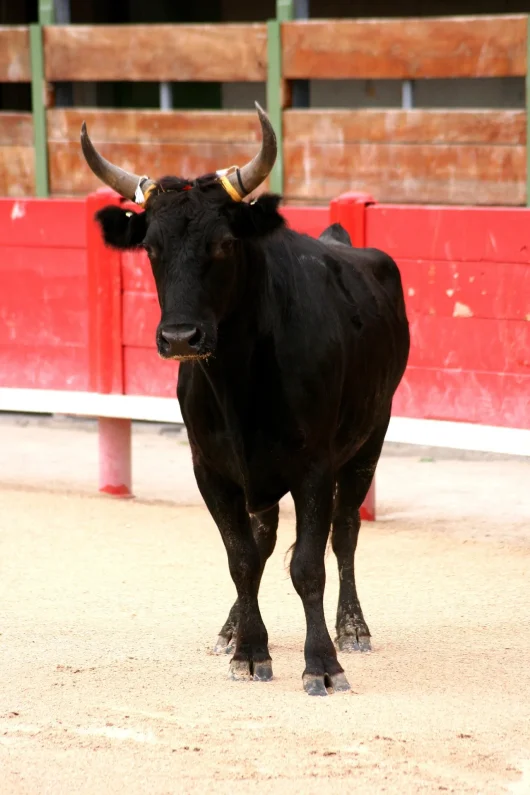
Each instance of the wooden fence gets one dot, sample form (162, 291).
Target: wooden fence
(463, 156)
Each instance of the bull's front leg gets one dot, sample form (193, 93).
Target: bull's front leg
(226, 503)
(264, 528)
(313, 499)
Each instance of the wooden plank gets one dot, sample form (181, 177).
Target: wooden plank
(395, 126)
(478, 289)
(55, 223)
(146, 126)
(475, 46)
(447, 174)
(17, 171)
(156, 52)
(14, 55)
(472, 234)
(146, 374)
(16, 129)
(69, 174)
(500, 399)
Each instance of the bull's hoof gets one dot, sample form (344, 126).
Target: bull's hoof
(239, 671)
(224, 645)
(314, 685)
(339, 683)
(246, 671)
(321, 684)
(356, 642)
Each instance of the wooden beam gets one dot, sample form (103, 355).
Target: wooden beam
(449, 174)
(16, 129)
(146, 126)
(17, 170)
(14, 55)
(406, 126)
(445, 47)
(69, 174)
(228, 52)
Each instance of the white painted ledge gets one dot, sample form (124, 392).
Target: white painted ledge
(459, 436)
(430, 433)
(90, 404)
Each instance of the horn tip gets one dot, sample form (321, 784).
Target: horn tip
(83, 129)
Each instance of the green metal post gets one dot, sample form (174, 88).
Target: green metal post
(284, 13)
(528, 111)
(38, 89)
(46, 12)
(38, 96)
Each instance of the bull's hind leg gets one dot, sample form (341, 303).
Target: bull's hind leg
(264, 529)
(353, 482)
(313, 498)
(226, 504)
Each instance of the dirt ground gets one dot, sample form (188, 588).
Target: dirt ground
(109, 609)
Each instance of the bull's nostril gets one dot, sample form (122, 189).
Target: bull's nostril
(164, 343)
(195, 339)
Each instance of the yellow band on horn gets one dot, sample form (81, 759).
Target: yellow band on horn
(148, 192)
(229, 188)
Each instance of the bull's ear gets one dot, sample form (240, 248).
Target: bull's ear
(256, 219)
(121, 228)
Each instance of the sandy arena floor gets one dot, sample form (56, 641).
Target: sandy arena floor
(108, 611)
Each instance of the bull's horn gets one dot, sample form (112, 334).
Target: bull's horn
(123, 182)
(259, 168)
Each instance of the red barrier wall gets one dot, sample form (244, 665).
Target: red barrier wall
(80, 318)
(43, 296)
(466, 275)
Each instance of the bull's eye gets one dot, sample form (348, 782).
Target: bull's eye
(224, 247)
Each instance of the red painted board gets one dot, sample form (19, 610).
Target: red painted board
(485, 398)
(136, 271)
(44, 297)
(146, 374)
(141, 315)
(44, 367)
(481, 289)
(58, 223)
(307, 220)
(104, 301)
(485, 345)
(494, 234)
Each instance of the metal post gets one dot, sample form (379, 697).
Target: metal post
(38, 102)
(46, 12)
(64, 94)
(274, 98)
(284, 13)
(166, 95)
(407, 94)
(528, 111)
(301, 88)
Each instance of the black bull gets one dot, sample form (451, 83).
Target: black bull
(291, 349)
